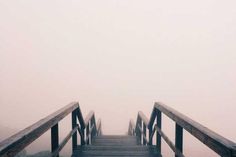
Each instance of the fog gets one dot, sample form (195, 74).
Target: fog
(117, 57)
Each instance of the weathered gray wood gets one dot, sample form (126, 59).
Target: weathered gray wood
(144, 134)
(74, 124)
(87, 134)
(152, 118)
(216, 142)
(88, 118)
(80, 118)
(112, 145)
(81, 132)
(131, 129)
(11, 146)
(137, 129)
(168, 141)
(90, 130)
(99, 127)
(145, 140)
(158, 135)
(63, 143)
(54, 138)
(19, 141)
(93, 127)
(151, 134)
(134, 147)
(178, 138)
(143, 118)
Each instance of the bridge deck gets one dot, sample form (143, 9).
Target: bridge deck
(115, 145)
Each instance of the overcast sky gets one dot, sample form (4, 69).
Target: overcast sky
(117, 57)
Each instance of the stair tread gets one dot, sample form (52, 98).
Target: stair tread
(115, 145)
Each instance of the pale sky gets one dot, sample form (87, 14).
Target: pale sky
(117, 57)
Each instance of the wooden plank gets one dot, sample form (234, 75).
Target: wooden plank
(143, 118)
(214, 141)
(88, 118)
(151, 134)
(158, 135)
(131, 129)
(80, 118)
(74, 124)
(142, 133)
(90, 130)
(63, 143)
(116, 145)
(168, 141)
(99, 127)
(81, 132)
(152, 118)
(19, 141)
(137, 129)
(94, 127)
(118, 148)
(54, 138)
(178, 138)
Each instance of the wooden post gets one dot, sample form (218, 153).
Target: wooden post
(94, 129)
(158, 136)
(178, 138)
(87, 133)
(82, 142)
(150, 138)
(144, 134)
(54, 138)
(74, 124)
(139, 131)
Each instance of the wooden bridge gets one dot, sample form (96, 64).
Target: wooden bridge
(138, 142)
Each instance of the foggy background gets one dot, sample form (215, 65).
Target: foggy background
(117, 57)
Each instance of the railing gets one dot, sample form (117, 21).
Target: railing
(16, 143)
(131, 129)
(99, 127)
(214, 141)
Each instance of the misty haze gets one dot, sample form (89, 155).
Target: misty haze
(116, 58)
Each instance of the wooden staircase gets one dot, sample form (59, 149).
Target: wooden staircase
(115, 145)
(144, 137)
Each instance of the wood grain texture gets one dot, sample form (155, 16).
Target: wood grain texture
(214, 141)
(11, 146)
(19, 141)
(115, 145)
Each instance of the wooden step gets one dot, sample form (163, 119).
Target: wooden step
(115, 146)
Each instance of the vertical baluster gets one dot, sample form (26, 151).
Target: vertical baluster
(150, 133)
(144, 134)
(74, 124)
(158, 136)
(94, 128)
(139, 131)
(87, 134)
(82, 137)
(54, 138)
(178, 138)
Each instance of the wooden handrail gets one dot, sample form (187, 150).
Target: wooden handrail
(14, 144)
(214, 141)
(143, 117)
(88, 118)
